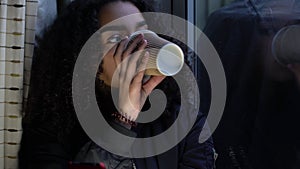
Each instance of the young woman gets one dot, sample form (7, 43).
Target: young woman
(52, 135)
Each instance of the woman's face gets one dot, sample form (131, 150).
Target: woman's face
(114, 32)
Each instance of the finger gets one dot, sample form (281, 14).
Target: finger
(132, 46)
(119, 51)
(138, 55)
(112, 50)
(141, 70)
(143, 45)
(132, 65)
(117, 56)
(141, 52)
(152, 83)
(123, 69)
(125, 59)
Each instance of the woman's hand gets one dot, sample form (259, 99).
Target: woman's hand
(129, 76)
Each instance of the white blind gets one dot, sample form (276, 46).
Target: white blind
(16, 24)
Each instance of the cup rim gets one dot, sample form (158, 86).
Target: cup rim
(181, 59)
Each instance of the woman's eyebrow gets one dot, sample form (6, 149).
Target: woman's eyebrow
(113, 28)
(120, 27)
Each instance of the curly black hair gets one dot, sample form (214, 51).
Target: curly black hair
(50, 95)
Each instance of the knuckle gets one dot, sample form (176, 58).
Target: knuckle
(126, 53)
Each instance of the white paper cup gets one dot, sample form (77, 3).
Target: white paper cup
(166, 58)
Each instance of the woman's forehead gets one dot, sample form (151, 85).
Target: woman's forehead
(116, 10)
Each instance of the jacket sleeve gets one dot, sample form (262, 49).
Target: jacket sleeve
(198, 155)
(40, 150)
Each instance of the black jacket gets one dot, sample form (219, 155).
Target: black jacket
(40, 149)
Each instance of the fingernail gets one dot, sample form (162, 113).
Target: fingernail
(125, 38)
(140, 35)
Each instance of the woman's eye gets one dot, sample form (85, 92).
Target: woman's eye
(114, 39)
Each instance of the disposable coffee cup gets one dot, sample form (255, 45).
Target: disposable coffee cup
(285, 45)
(165, 58)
